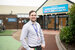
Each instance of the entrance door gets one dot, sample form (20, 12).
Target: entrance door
(51, 22)
(62, 22)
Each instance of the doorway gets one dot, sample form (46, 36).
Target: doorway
(53, 21)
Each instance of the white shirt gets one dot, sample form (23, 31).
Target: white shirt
(29, 35)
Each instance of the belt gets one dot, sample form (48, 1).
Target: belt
(34, 46)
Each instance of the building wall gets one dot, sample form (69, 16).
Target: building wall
(11, 12)
(4, 9)
(21, 23)
(8, 25)
(52, 3)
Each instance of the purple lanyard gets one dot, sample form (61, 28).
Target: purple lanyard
(36, 29)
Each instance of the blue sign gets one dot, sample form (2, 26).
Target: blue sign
(56, 8)
(12, 19)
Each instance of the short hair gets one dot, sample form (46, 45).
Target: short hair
(31, 12)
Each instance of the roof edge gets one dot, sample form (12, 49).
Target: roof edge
(47, 0)
(41, 5)
(70, 1)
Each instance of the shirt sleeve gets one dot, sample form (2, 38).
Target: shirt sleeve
(42, 37)
(23, 37)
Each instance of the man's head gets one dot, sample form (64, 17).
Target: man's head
(32, 15)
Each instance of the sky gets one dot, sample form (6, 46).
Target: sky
(73, 1)
(23, 2)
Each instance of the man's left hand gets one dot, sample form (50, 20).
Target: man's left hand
(43, 46)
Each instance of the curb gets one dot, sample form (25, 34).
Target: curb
(59, 44)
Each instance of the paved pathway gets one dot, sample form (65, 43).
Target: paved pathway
(49, 39)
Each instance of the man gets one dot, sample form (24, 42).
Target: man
(31, 36)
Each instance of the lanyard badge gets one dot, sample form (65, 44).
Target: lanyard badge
(36, 30)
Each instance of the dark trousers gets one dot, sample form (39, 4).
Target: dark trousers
(37, 47)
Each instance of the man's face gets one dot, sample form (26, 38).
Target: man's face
(33, 16)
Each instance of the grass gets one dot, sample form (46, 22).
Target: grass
(6, 33)
(9, 43)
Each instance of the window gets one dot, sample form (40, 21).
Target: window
(1, 21)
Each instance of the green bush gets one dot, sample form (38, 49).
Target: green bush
(66, 35)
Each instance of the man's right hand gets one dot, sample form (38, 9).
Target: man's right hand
(32, 49)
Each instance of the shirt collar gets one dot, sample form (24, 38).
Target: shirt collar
(32, 23)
